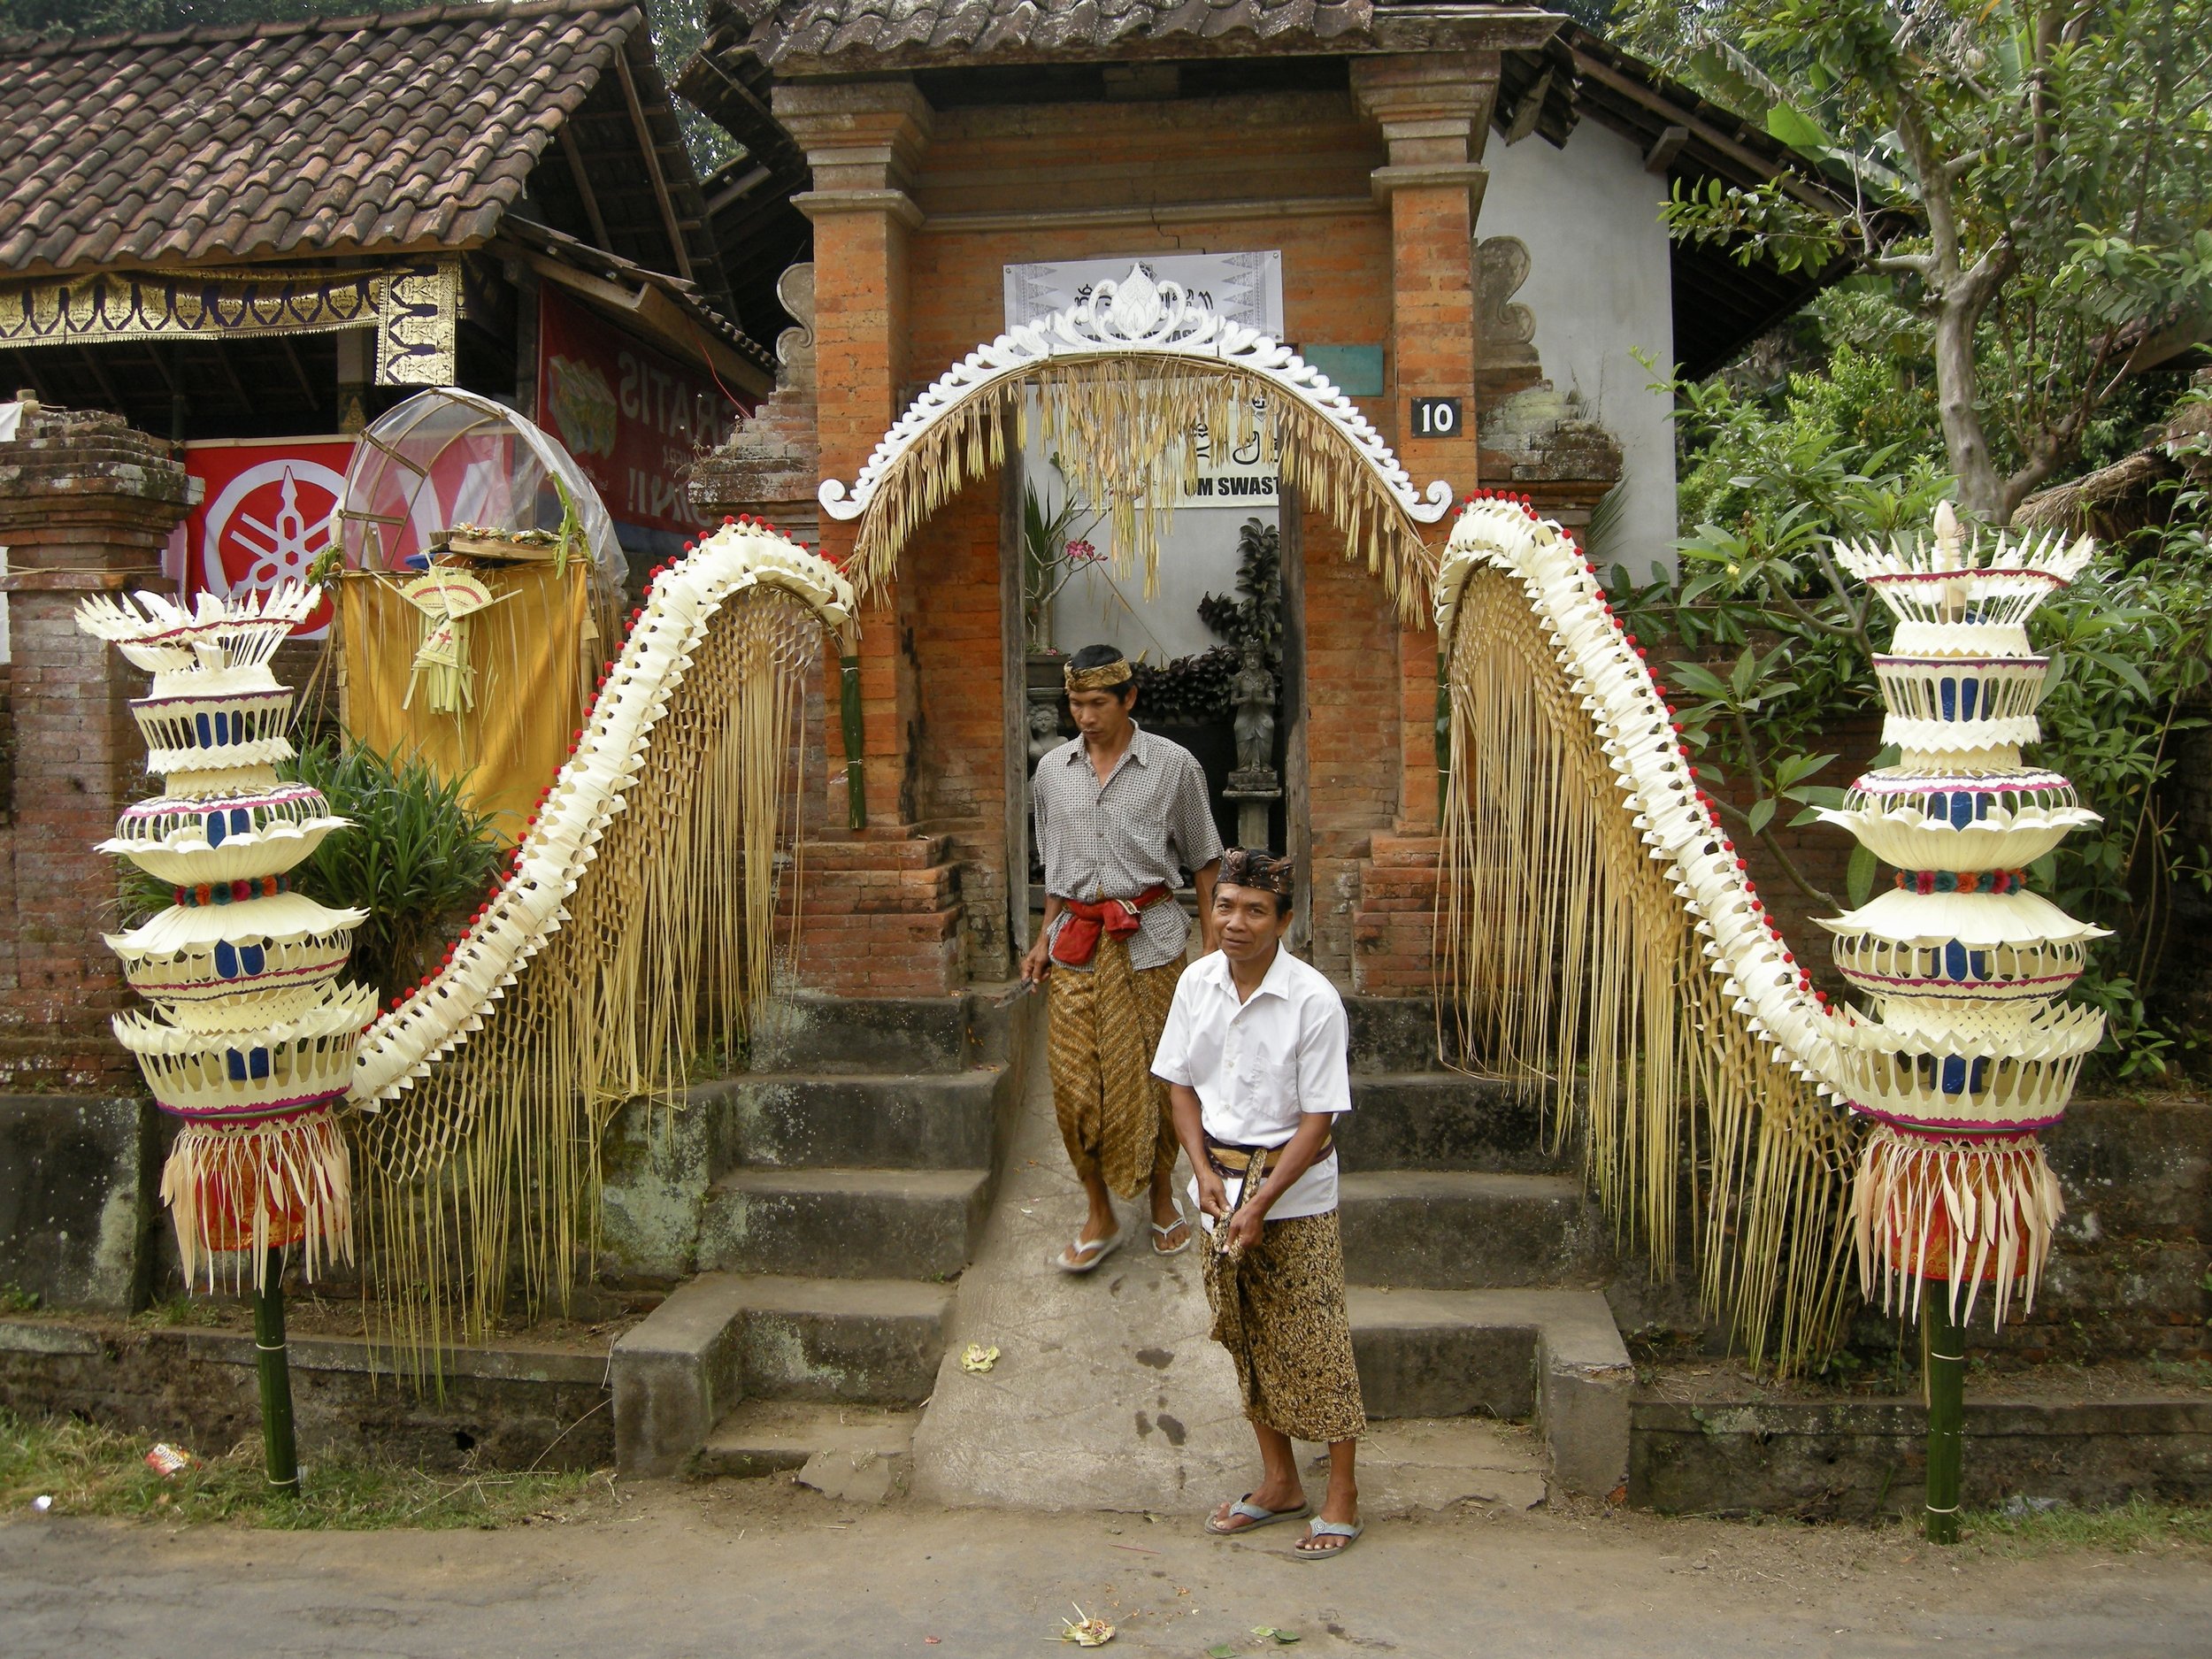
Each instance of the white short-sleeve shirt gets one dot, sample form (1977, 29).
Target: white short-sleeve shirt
(1258, 1065)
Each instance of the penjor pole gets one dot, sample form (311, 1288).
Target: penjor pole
(1970, 1053)
(253, 1047)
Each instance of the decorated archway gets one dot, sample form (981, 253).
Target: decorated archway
(1128, 383)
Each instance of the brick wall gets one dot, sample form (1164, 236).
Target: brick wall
(85, 504)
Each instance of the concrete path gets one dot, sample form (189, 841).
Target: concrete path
(753, 1568)
(1108, 1395)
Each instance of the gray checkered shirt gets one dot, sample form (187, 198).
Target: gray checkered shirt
(1147, 824)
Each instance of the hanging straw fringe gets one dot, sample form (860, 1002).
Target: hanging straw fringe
(1124, 431)
(1571, 963)
(233, 1188)
(487, 1163)
(1965, 1212)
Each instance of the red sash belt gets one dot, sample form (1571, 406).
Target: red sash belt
(1076, 941)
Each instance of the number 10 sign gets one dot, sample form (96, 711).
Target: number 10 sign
(1436, 417)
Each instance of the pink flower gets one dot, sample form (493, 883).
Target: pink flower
(1081, 553)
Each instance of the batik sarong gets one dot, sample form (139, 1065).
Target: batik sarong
(1105, 1027)
(1279, 1309)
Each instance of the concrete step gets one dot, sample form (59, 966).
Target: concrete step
(899, 1120)
(1460, 1230)
(1553, 1355)
(857, 1453)
(721, 1339)
(1430, 1466)
(1391, 1033)
(810, 1032)
(844, 1223)
(1443, 1120)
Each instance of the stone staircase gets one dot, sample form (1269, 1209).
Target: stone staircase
(1475, 1263)
(823, 1204)
(816, 1209)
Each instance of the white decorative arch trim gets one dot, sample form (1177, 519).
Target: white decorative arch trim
(1138, 317)
(1763, 980)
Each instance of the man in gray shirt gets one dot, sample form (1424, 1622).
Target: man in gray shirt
(1120, 815)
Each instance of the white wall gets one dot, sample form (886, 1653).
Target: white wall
(1599, 284)
(1198, 555)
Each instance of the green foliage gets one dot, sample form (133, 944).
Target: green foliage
(2028, 178)
(1199, 686)
(1771, 647)
(89, 18)
(418, 858)
(87, 1470)
(2136, 1525)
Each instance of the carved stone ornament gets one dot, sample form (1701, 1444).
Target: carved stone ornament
(1135, 317)
(795, 346)
(1501, 264)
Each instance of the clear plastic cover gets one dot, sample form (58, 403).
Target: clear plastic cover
(447, 458)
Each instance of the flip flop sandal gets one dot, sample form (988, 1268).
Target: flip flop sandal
(1160, 1232)
(1348, 1530)
(1087, 1256)
(1255, 1516)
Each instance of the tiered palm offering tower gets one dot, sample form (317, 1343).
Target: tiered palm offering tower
(254, 1045)
(1971, 1054)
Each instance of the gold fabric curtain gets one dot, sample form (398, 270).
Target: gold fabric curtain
(531, 656)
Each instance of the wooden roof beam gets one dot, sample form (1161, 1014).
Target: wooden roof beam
(653, 165)
(574, 154)
(1672, 114)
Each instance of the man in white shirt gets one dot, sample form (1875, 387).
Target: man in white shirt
(1254, 1052)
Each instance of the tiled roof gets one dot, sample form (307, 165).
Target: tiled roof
(785, 30)
(408, 129)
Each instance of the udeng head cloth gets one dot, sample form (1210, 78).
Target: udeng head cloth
(1253, 867)
(1106, 676)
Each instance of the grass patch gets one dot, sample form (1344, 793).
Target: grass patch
(87, 1470)
(2137, 1524)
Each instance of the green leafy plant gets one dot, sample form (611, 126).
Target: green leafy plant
(1769, 649)
(2026, 177)
(418, 858)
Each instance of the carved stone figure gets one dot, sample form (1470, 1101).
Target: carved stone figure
(1044, 731)
(1252, 694)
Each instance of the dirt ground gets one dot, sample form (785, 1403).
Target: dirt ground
(761, 1567)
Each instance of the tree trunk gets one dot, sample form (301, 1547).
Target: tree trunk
(1965, 441)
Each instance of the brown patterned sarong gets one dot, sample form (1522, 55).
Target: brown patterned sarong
(1279, 1309)
(1114, 1114)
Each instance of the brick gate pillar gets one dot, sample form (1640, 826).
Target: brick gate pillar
(881, 913)
(1434, 109)
(86, 503)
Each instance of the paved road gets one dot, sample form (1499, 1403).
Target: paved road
(755, 1569)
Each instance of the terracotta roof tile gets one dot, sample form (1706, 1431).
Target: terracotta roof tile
(206, 144)
(784, 30)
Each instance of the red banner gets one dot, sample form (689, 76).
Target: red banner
(265, 515)
(634, 418)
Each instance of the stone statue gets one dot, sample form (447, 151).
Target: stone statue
(1252, 695)
(1044, 731)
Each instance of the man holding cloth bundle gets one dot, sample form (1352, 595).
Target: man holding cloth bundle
(1255, 1056)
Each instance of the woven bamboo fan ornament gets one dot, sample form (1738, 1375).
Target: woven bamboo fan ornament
(446, 599)
(252, 1044)
(1971, 1053)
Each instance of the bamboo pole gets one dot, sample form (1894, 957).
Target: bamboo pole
(855, 741)
(274, 1365)
(1943, 1373)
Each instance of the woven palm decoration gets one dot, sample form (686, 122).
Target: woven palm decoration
(636, 926)
(1128, 389)
(1971, 1054)
(253, 1046)
(1601, 943)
